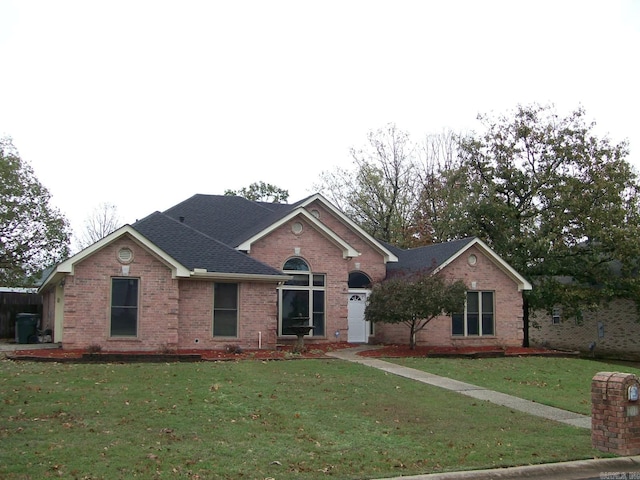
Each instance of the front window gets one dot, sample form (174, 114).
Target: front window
(478, 318)
(225, 310)
(302, 299)
(124, 307)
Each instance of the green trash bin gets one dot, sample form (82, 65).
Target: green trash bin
(26, 325)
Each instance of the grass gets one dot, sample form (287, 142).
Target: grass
(560, 382)
(307, 419)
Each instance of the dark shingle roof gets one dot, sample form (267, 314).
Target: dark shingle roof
(425, 258)
(194, 249)
(203, 231)
(230, 219)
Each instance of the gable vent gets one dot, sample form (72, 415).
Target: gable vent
(125, 255)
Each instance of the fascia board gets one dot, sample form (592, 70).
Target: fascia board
(238, 277)
(522, 282)
(67, 266)
(388, 255)
(347, 250)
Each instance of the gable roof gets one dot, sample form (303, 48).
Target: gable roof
(198, 252)
(238, 222)
(206, 236)
(227, 218)
(436, 257)
(186, 252)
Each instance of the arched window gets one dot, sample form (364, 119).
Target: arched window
(302, 299)
(296, 263)
(359, 280)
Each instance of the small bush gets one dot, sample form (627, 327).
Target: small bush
(166, 350)
(233, 349)
(94, 348)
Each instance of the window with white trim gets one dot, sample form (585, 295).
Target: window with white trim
(478, 318)
(302, 299)
(225, 310)
(124, 307)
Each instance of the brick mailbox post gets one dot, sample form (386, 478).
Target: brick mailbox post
(615, 416)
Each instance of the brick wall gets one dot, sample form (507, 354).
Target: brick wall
(614, 327)
(323, 256)
(486, 276)
(615, 419)
(88, 297)
(257, 318)
(370, 261)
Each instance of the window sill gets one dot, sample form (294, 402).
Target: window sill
(463, 337)
(306, 337)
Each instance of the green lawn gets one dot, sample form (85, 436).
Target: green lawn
(560, 382)
(306, 419)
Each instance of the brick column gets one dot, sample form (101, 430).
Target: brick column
(615, 419)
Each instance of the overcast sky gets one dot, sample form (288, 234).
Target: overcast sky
(145, 103)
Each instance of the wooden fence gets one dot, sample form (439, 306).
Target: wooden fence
(12, 303)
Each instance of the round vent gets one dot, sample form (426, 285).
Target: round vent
(296, 228)
(125, 255)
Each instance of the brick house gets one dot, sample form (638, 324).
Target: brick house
(612, 330)
(219, 270)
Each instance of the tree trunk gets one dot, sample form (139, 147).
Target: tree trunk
(412, 340)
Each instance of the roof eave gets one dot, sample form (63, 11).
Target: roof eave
(522, 282)
(347, 250)
(67, 267)
(200, 274)
(386, 253)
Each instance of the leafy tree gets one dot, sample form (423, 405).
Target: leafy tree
(380, 192)
(103, 220)
(555, 201)
(33, 234)
(414, 301)
(261, 192)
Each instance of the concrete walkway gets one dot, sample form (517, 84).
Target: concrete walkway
(12, 347)
(480, 393)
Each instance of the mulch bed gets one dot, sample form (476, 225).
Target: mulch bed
(399, 351)
(282, 353)
(187, 355)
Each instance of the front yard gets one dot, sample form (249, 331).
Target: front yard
(255, 419)
(560, 382)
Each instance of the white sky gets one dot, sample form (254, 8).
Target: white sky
(145, 103)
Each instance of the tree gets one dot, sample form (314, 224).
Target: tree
(103, 220)
(261, 192)
(414, 301)
(380, 193)
(441, 194)
(555, 201)
(33, 234)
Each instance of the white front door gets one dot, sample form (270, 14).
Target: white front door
(358, 327)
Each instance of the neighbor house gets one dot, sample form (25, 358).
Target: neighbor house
(215, 271)
(611, 330)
